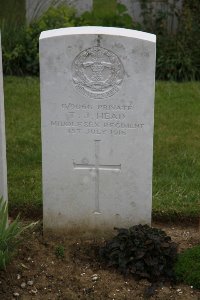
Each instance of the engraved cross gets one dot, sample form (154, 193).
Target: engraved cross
(97, 167)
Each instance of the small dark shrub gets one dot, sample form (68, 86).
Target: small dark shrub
(142, 251)
(187, 268)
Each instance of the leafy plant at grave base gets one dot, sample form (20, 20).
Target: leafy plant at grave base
(60, 252)
(142, 251)
(23, 57)
(187, 267)
(107, 13)
(9, 235)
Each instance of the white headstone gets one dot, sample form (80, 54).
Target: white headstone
(3, 167)
(97, 100)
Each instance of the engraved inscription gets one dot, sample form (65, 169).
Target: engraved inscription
(96, 119)
(97, 73)
(96, 167)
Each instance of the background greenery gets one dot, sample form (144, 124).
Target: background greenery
(176, 148)
(12, 11)
(177, 53)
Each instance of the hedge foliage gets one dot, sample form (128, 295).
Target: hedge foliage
(177, 53)
(21, 52)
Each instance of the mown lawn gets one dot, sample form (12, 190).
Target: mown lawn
(176, 180)
(22, 108)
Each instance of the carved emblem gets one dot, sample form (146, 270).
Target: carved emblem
(97, 73)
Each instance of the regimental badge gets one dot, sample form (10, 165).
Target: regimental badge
(97, 73)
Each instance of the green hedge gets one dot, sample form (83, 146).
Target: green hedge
(12, 11)
(21, 52)
(177, 54)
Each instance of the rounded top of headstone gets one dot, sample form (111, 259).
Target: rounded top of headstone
(99, 30)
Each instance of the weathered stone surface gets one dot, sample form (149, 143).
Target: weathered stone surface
(97, 101)
(3, 166)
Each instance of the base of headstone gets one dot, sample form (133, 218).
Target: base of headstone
(88, 231)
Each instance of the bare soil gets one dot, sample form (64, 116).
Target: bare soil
(37, 273)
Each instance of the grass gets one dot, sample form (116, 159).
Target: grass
(187, 267)
(176, 148)
(23, 144)
(10, 235)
